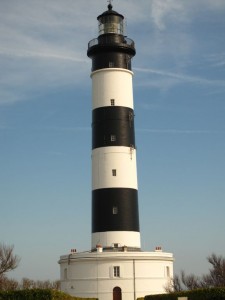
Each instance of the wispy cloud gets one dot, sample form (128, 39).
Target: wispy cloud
(182, 77)
(44, 43)
(55, 153)
(218, 5)
(216, 59)
(77, 128)
(164, 10)
(180, 12)
(180, 131)
(45, 55)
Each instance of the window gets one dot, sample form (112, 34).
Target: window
(115, 210)
(113, 138)
(112, 102)
(111, 64)
(65, 273)
(168, 271)
(116, 271)
(114, 172)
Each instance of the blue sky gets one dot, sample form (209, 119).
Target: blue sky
(45, 131)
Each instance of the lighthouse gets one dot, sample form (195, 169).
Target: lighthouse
(115, 267)
(115, 218)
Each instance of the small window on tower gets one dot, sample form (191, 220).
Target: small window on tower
(111, 64)
(113, 137)
(113, 172)
(168, 271)
(65, 273)
(116, 271)
(115, 210)
(112, 102)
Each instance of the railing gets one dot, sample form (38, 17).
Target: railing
(119, 249)
(95, 42)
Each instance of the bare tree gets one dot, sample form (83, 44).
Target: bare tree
(183, 282)
(8, 284)
(56, 285)
(47, 284)
(191, 281)
(27, 283)
(174, 285)
(8, 261)
(216, 276)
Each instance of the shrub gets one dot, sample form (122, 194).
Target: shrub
(199, 294)
(37, 294)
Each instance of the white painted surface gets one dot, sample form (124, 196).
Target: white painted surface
(121, 159)
(91, 274)
(112, 83)
(123, 238)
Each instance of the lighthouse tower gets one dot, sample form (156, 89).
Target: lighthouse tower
(115, 220)
(115, 267)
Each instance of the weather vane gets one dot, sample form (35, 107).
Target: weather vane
(110, 2)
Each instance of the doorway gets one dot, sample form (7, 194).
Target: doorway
(117, 294)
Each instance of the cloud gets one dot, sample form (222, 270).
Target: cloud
(77, 128)
(164, 10)
(42, 55)
(44, 43)
(217, 5)
(182, 78)
(180, 131)
(181, 12)
(216, 59)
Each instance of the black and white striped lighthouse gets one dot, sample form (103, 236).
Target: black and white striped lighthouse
(115, 267)
(115, 217)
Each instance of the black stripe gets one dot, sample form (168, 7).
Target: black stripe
(109, 121)
(111, 51)
(109, 59)
(125, 200)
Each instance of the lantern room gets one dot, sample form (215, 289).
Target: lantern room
(110, 22)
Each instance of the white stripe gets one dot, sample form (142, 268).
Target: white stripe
(110, 84)
(121, 159)
(123, 238)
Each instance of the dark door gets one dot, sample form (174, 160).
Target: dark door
(117, 295)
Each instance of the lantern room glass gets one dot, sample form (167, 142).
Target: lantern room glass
(110, 24)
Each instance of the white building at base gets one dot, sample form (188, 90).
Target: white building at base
(116, 274)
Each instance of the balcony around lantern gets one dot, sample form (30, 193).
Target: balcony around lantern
(108, 40)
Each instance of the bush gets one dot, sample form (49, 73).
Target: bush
(37, 294)
(199, 294)
(26, 295)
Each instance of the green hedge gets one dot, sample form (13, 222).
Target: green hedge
(38, 294)
(200, 294)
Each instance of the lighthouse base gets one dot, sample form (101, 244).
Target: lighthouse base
(115, 275)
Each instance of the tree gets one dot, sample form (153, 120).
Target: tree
(183, 282)
(174, 285)
(8, 284)
(27, 283)
(191, 281)
(215, 278)
(8, 261)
